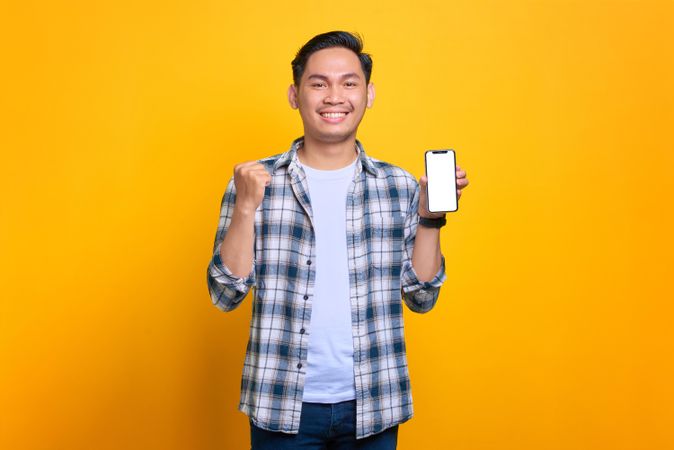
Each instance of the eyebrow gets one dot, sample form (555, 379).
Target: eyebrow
(323, 77)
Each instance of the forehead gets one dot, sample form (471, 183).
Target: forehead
(333, 61)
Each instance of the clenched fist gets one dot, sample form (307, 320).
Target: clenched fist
(250, 179)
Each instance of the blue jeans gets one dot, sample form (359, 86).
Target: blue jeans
(324, 426)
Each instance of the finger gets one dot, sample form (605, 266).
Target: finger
(261, 176)
(245, 171)
(256, 174)
(254, 165)
(463, 182)
(251, 163)
(258, 171)
(246, 164)
(460, 173)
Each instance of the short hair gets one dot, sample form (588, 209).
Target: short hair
(343, 39)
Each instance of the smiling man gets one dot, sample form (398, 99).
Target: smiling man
(333, 242)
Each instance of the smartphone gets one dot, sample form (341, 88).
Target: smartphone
(441, 174)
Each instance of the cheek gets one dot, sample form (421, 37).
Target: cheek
(359, 101)
(305, 109)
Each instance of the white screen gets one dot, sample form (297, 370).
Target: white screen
(441, 174)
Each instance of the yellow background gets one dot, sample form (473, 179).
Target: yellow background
(121, 122)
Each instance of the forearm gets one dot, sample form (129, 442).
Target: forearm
(236, 251)
(426, 256)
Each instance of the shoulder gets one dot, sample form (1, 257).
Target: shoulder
(395, 174)
(397, 182)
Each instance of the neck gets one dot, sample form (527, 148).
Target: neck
(327, 155)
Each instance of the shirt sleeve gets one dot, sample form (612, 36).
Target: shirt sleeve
(226, 289)
(419, 296)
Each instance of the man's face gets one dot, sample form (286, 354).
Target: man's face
(332, 95)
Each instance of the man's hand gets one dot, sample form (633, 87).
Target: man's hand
(236, 252)
(461, 182)
(250, 179)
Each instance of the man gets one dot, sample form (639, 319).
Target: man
(329, 238)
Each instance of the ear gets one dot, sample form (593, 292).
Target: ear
(292, 96)
(370, 95)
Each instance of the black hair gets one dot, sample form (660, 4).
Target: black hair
(344, 39)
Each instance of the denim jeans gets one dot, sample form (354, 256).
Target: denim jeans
(324, 426)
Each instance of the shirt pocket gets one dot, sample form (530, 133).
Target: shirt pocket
(385, 246)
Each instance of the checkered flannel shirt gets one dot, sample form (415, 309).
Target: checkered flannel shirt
(381, 221)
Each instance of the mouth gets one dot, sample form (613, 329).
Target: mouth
(333, 117)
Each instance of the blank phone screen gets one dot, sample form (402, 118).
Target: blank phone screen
(441, 174)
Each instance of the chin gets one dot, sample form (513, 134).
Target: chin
(334, 137)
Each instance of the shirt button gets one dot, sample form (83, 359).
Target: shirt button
(299, 365)
(306, 297)
(302, 331)
(309, 262)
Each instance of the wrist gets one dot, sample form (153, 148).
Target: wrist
(432, 222)
(243, 211)
(433, 215)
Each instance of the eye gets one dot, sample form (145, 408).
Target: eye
(351, 84)
(317, 84)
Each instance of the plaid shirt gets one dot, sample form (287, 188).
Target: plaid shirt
(381, 221)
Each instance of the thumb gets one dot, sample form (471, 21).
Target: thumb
(423, 183)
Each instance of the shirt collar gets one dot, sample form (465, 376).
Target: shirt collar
(289, 158)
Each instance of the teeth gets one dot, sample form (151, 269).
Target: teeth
(333, 115)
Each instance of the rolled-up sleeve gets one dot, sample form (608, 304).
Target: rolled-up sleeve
(419, 296)
(226, 290)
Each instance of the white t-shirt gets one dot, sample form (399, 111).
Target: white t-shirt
(330, 377)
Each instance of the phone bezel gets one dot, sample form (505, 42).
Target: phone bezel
(428, 197)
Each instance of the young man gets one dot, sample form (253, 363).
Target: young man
(332, 242)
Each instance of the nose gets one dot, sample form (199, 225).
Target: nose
(334, 96)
